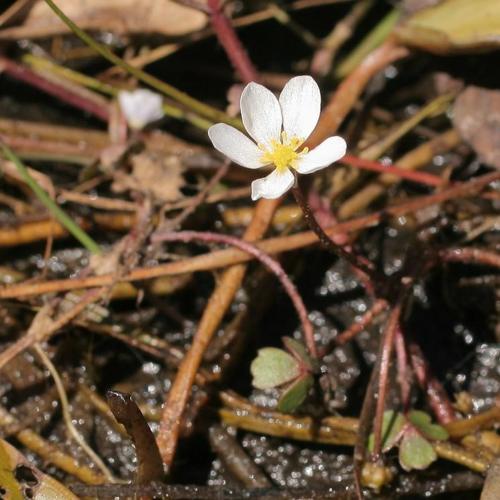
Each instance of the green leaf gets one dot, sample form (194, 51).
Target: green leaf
(454, 26)
(422, 421)
(295, 394)
(392, 425)
(299, 352)
(273, 367)
(415, 452)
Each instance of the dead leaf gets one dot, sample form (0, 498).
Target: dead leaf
(476, 116)
(454, 26)
(157, 174)
(412, 6)
(122, 17)
(23, 480)
(491, 488)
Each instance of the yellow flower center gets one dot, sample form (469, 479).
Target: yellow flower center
(282, 153)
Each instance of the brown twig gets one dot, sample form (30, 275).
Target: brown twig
(351, 88)
(469, 255)
(322, 59)
(217, 306)
(50, 452)
(239, 464)
(36, 334)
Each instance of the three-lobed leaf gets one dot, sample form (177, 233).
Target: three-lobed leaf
(415, 452)
(273, 367)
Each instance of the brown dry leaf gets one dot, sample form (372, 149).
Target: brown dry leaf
(122, 17)
(157, 174)
(454, 26)
(476, 116)
(412, 6)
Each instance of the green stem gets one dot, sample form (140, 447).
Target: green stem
(368, 44)
(201, 108)
(58, 213)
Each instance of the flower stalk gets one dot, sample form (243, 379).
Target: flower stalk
(326, 241)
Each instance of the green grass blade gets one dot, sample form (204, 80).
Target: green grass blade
(56, 211)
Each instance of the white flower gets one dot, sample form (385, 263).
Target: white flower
(140, 107)
(279, 128)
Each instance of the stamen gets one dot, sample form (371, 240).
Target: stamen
(283, 154)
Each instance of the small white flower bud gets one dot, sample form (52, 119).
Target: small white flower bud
(140, 107)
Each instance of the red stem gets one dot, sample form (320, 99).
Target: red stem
(231, 43)
(389, 334)
(35, 80)
(378, 307)
(374, 166)
(436, 395)
(273, 265)
(403, 372)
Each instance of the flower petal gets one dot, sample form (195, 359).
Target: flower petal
(272, 186)
(235, 145)
(300, 102)
(261, 114)
(330, 150)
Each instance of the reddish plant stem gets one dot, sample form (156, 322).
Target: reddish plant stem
(470, 255)
(377, 308)
(273, 265)
(403, 372)
(231, 43)
(435, 393)
(374, 166)
(387, 345)
(325, 218)
(35, 80)
(326, 240)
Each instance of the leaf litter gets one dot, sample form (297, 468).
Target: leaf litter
(410, 302)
